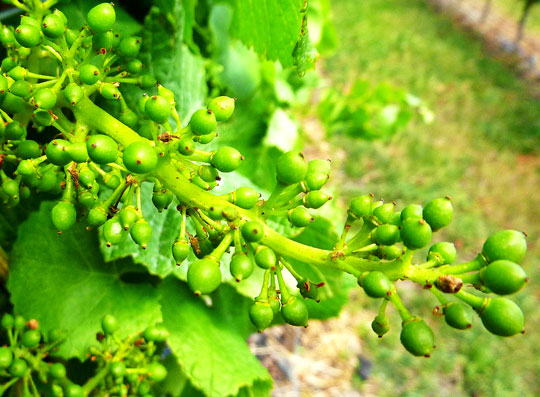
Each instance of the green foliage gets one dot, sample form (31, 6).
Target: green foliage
(369, 112)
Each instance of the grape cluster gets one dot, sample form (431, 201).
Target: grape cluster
(124, 367)
(103, 147)
(81, 161)
(390, 238)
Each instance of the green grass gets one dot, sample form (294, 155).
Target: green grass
(482, 150)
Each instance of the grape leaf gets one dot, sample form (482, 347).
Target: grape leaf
(210, 342)
(271, 27)
(63, 282)
(171, 62)
(241, 66)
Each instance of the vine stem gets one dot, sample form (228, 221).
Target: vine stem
(4, 265)
(192, 196)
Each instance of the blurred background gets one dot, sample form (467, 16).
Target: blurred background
(420, 99)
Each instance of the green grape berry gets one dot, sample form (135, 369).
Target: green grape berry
(114, 232)
(417, 337)
(310, 290)
(458, 315)
(73, 93)
(291, 167)
(28, 149)
(386, 234)
(27, 35)
(317, 174)
(438, 213)
(55, 335)
(390, 252)
(86, 176)
(245, 197)
(376, 284)
(101, 17)
(89, 74)
(146, 81)
(134, 66)
(20, 88)
(226, 159)
(208, 173)
(6, 36)
(161, 199)
(109, 324)
(252, 231)
(102, 149)
(31, 338)
(74, 390)
(53, 26)
(130, 46)
(7, 321)
(186, 146)
(261, 314)
(14, 130)
(128, 216)
(78, 152)
(203, 122)
(156, 333)
(103, 41)
(315, 199)
(156, 372)
(129, 118)
(140, 157)
(445, 251)
(505, 244)
(241, 266)
(300, 217)
(295, 312)
(503, 277)
(265, 257)
(118, 369)
(42, 118)
(204, 276)
(380, 325)
(109, 91)
(222, 107)
(158, 109)
(6, 357)
(180, 250)
(141, 233)
(63, 215)
(58, 371)
(18, 368)
(415, 233)
(361, 206)
(384, 213)
(19, 323)
(412, 211)
(502, 317)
